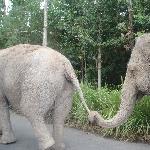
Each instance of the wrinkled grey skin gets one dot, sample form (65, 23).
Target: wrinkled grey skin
(136, 84)
(36, 80)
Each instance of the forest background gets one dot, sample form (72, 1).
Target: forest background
(78, 29)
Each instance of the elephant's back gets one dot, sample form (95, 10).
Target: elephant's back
(26, 51)
(23, 58)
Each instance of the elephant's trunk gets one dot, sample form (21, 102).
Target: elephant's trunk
(128, 98)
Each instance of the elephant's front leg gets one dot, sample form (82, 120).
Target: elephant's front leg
(6, 128)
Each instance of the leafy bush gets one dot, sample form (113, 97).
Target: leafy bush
(106, 102)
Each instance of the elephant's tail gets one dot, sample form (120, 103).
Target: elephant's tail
(71, 76)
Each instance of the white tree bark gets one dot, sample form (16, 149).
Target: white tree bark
(99, 68)
(130, 33)
(130, 14)
(4, 8)
(45, 24)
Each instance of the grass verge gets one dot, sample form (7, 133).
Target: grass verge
(106, 102)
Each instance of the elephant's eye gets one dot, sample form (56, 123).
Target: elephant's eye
(132, 70)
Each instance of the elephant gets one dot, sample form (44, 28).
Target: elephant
(135, 86)
(36, 80)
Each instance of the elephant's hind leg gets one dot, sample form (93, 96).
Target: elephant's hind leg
(34, 108)
(42, 132)
(7, 132)
(62, 108)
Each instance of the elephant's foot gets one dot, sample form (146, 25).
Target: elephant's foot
(7, 139)
(58, 147)
(50, 148)
(47, 145)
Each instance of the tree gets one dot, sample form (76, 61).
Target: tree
(87, 32)
(4, 8)
(23, 24)
(45, 24)
(130, 10)
(82, 30)
(130, 34)
(99, 65)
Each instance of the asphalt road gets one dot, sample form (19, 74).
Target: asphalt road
(74, 139)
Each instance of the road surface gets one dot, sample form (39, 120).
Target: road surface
(74, 139)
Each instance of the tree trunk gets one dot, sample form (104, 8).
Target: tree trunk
(85, 68)
(82, 69)
(45, 24)
(4, 8)
(99, 67)
(130, 34)
(130, 14)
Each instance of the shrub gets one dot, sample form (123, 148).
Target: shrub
(106, 102)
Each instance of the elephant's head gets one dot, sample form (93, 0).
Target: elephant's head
(136, 83)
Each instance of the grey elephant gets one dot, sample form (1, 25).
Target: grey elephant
(136, 84)
(36, 81)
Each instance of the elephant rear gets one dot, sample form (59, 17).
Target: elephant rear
(36, 80)
(28, 68)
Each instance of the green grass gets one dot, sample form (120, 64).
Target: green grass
(106, 102)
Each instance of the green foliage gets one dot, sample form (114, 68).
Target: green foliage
(23, 24)
(107, 102)
(83, 27)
